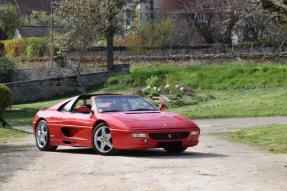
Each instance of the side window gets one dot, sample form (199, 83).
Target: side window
(71, 105)
(80, 102)
(68, 106)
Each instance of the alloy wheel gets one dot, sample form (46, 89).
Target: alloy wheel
(42, 135)
(103, 139)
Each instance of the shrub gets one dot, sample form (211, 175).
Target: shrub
(6, 97)
(1, 49)
(5, 101)
(153, 34)
(14, 48)
(123, 80)
(35, 47)
(152, 81)
(5, 65)
(10, 19)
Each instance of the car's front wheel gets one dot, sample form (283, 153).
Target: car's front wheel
(102, 140)
(175, 150)
(43, 137)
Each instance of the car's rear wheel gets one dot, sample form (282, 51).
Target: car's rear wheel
(175, 150)
(102, 140)
(43, 137)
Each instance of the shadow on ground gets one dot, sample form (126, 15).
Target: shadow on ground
(14, 158)
(151, 154)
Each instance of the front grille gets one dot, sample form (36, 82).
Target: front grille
(169, 136)
(170, 144)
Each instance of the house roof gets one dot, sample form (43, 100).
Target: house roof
(33, 31)
(26, 7)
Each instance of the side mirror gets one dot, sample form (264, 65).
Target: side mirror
(83, 109)
(162, 107)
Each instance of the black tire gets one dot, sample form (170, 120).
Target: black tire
(175, 150)
(96, 143)
(41, 146)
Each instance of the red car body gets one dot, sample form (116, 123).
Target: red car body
(76, 129)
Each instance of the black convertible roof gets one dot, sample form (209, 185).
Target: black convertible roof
(87, 96)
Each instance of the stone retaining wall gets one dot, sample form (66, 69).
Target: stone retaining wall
(39, 90)
(97, 59)
(41, 74)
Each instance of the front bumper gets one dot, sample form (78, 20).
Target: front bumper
(123, 140)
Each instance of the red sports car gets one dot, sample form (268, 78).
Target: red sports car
(109, 123)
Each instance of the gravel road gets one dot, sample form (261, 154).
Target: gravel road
(215, 164)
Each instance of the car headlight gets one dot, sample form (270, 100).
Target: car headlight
(195, 133)
(139, 135)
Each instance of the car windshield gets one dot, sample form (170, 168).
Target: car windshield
(122, 104)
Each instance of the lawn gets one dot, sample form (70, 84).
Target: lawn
(22, 114)
(271, 138)
(9, 133)
(239, 103)
(237, 89)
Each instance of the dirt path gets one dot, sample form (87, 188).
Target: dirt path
(214, 165)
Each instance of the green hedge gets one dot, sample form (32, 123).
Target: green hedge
(14, 48)
(6, 101)
(35, 47)
(1, 49)
(30, 47)
(5, 65)
(6, 97)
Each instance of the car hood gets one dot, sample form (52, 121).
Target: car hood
(152, 120)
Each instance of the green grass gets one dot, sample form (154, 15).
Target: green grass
(239, 89)
(235, 75)
(271, 138)
(9, 133)
(22, 114)
(236, 103)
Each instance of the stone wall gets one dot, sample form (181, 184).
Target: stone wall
(96, 57)
(36, 63)
(41, 74)
(38, 90)
(186, 59)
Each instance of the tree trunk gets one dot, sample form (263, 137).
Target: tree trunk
(110, 51)
(151, 9)
(3, 121)
(78, 74)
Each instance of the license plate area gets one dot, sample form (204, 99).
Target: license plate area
(170, 144)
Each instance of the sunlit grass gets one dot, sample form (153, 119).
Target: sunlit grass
(271, 138)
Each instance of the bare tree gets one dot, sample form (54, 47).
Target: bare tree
(275, 5)
(261, 27)
(79, 27)
(85, 21)
(213, 19)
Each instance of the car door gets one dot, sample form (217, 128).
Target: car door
(76, 127)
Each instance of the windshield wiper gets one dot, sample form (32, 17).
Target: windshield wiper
(142, 109)
(110, 111)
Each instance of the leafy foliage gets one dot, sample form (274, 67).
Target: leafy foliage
(6, 97)
(5, 102)
(86, 21)
(10, 20)
(1, 49)
(5, 66)
(40, 18)
(14, 48)
(153, 34)
(35, 47)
